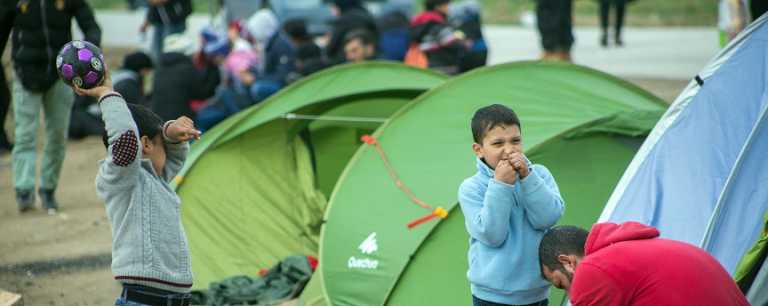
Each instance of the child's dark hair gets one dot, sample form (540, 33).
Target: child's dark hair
(296, 28)
(430, 5)
(489, 117)
(365, 37)
(148, 123)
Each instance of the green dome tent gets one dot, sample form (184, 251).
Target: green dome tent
(254, 187)
(585, 126)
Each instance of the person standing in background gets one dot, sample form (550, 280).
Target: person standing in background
(166, 17)
(6, 24)
(619, 7)
(732, 18)
(555, 23)
(40, 29)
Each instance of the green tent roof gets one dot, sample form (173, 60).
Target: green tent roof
(582, 124)
(254, 187)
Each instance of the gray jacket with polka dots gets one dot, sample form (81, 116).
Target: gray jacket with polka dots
(149, 245)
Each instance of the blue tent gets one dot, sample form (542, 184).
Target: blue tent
(701, 174)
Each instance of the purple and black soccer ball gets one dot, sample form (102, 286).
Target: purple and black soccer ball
(81, 63)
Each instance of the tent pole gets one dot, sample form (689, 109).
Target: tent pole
(293, 116)
(713, 220)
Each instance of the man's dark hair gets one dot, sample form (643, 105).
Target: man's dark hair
(489, 117)
(148, 123)
(561, 240)
(345, 5)
(137, 61)
(365, 37)
(296, 28)
(430, 5)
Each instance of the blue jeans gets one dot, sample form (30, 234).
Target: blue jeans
(162, 31)
(122, 301)
(479, 302)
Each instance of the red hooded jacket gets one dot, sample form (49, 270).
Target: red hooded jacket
(627, 264)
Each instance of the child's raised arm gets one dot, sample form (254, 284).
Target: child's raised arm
(177, 134)
(119, 170)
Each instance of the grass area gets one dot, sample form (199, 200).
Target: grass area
(639, 12)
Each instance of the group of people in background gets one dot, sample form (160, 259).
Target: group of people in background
(241, 63)
(247, 58)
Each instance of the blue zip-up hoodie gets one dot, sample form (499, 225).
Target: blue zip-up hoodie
(505, 224)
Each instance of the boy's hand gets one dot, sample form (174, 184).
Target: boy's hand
(98, 91)
(182, 129)
(505, 172)
(518, 161)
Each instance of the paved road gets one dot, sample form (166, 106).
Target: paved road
(659, 53)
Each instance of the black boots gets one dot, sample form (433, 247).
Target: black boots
(25, 199)
(48, 200)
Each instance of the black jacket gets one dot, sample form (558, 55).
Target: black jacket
(172, 12)
(7, 15)
(177, 82)
(129, 84)
(40, 29)
(350, 20)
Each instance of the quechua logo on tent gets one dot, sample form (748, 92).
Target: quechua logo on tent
(367, 247)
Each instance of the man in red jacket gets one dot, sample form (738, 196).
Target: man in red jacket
(627, 264)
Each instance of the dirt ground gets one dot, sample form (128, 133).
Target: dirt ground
(64, 259)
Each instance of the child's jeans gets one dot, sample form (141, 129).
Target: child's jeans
(479, 302)
(150, 297)
(123, 302)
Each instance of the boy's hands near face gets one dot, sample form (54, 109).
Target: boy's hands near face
(518, 161)
(505, 172)
(182, 129)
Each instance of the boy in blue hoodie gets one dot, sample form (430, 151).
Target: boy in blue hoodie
(508, 205)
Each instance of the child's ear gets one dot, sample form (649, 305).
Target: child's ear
(478, 149)
(146, 145)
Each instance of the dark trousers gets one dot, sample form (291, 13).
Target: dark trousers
(5, 103)
(479, 302)
(605, 9)
(757, 8)
(555, 23)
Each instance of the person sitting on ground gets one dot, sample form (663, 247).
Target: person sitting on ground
(352, 15)
(177, 81)
(466, 16)
(150, 251)
(507, 206)
(394, 25)
(275, 53)
(628, 264)
(443, 45)
(359, 46)
(129, 80)
(309, 56)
